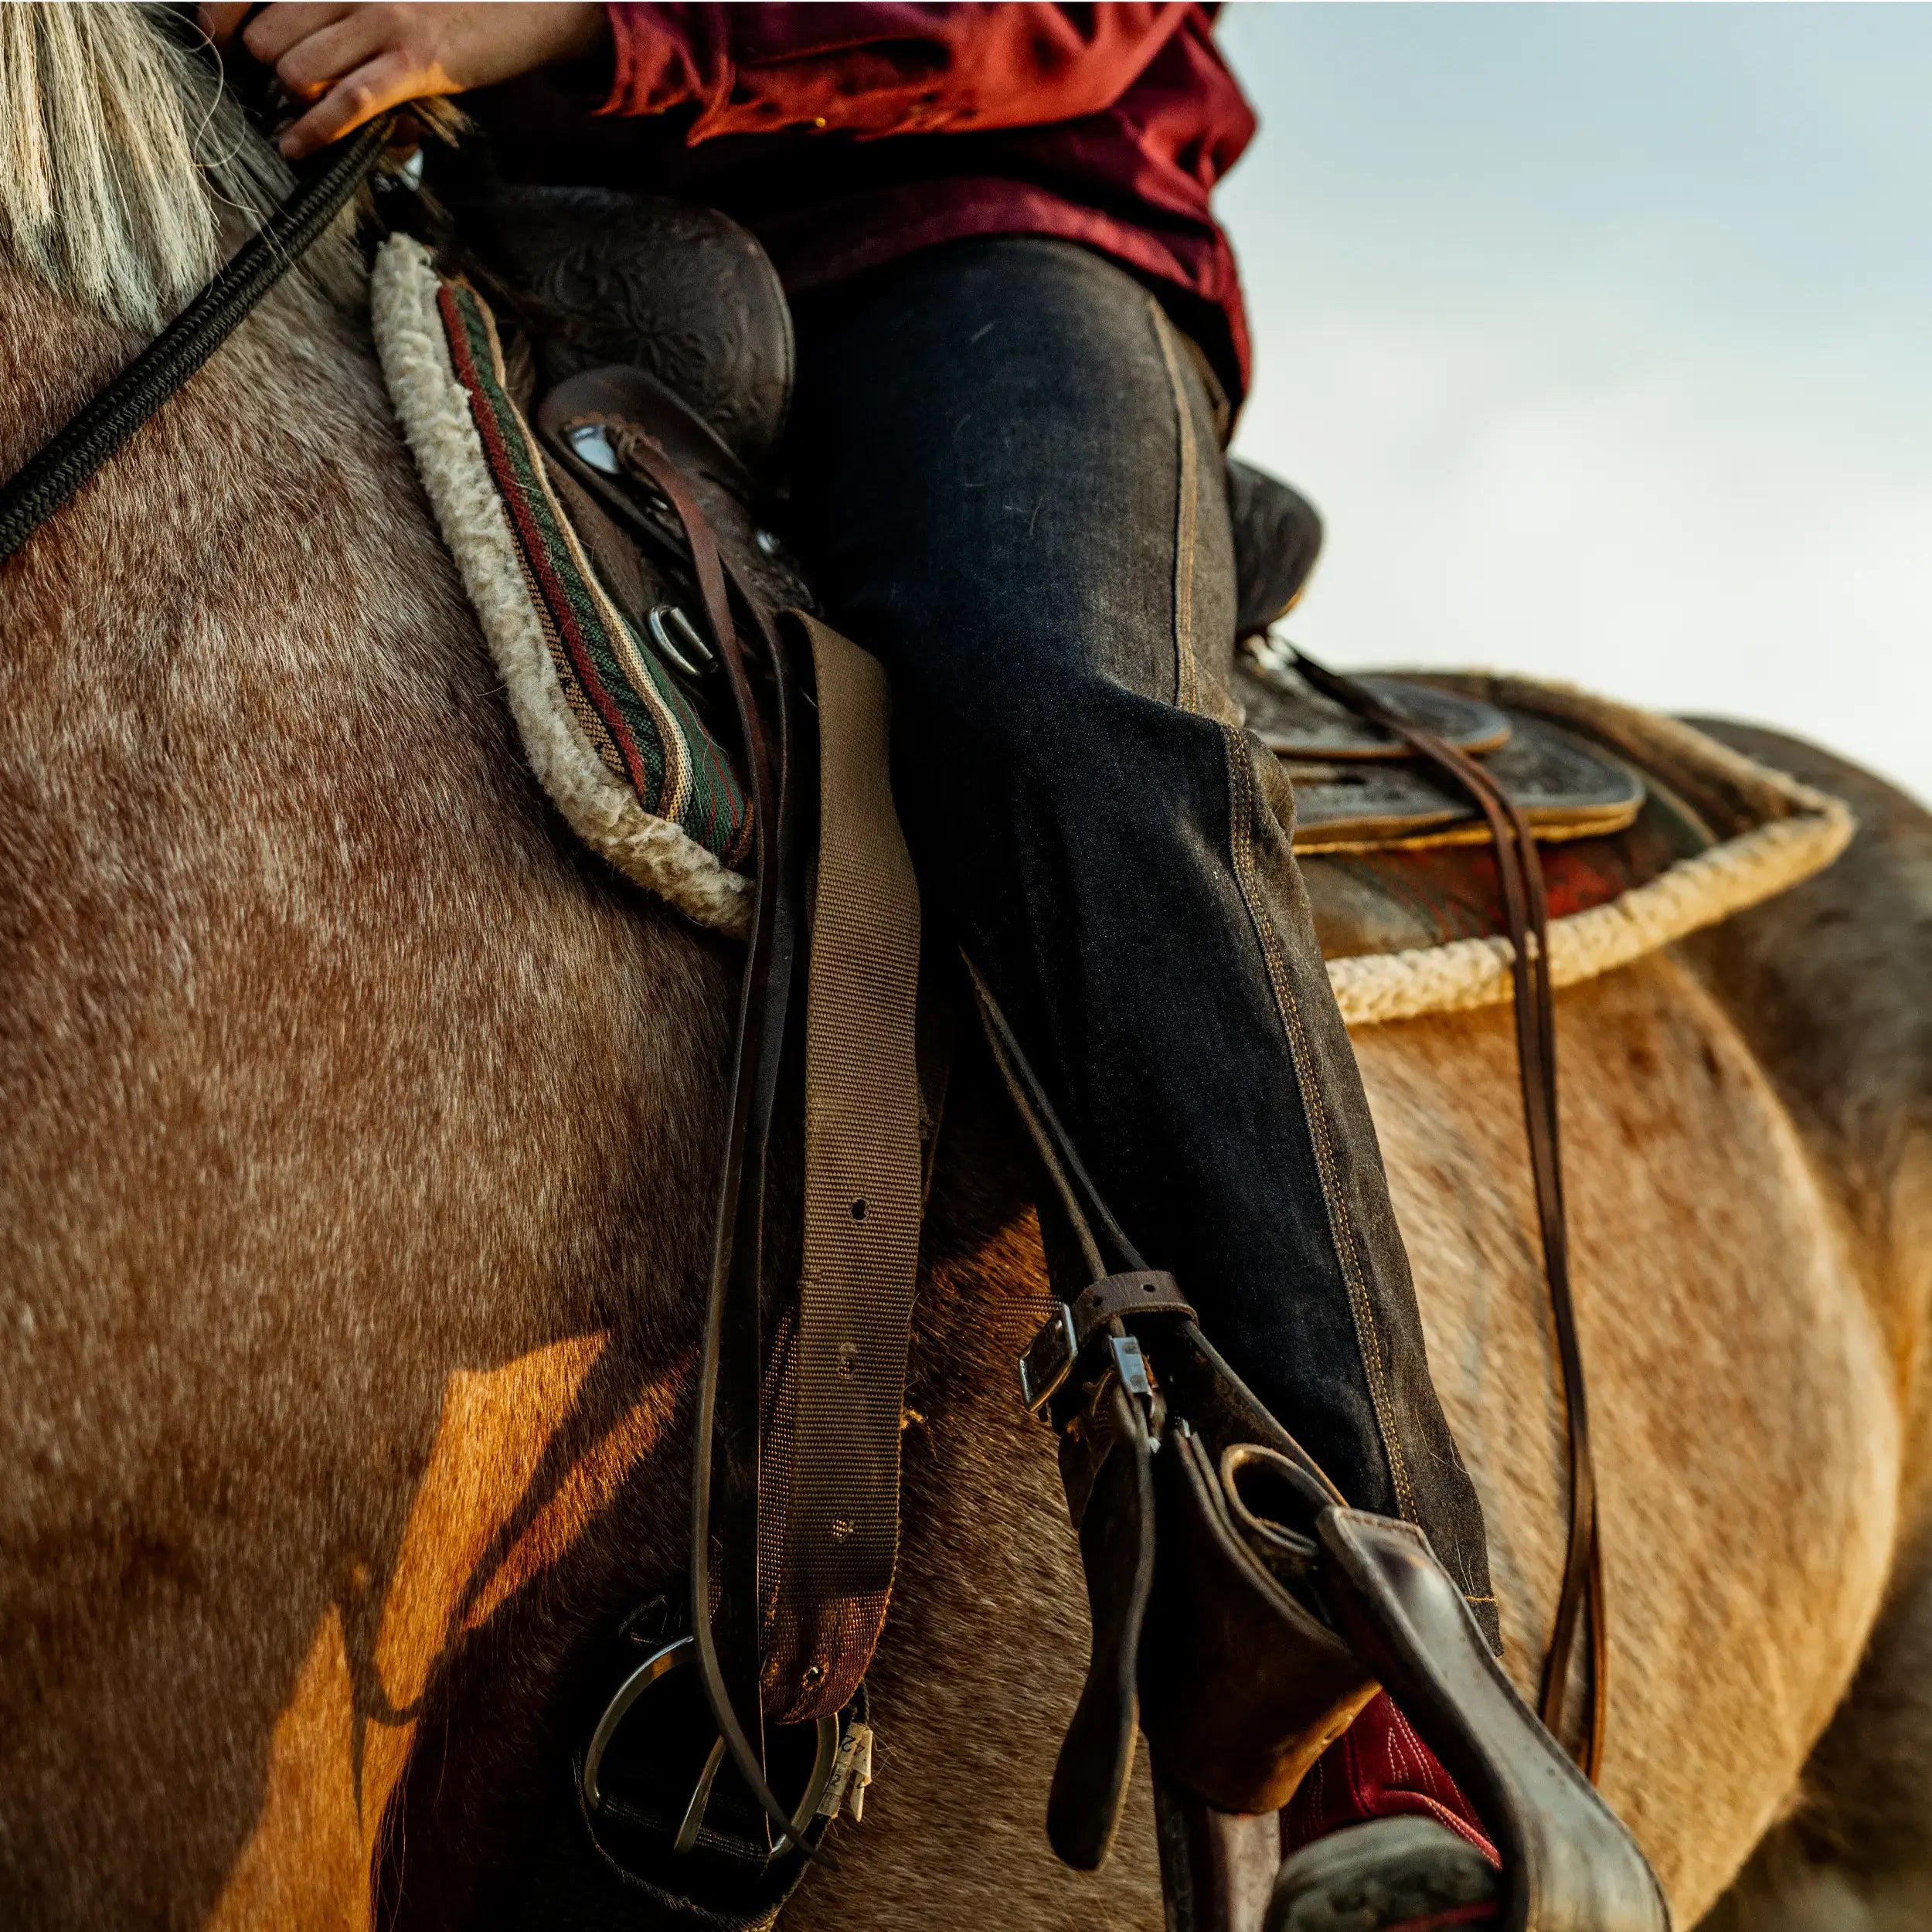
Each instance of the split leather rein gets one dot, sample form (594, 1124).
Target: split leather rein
(1527, 918)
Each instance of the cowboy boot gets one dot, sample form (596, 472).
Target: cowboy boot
(1567, 1864)
(1395, 1875)
(1378, 1834)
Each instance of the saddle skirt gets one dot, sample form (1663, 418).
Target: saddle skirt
(1359, 788)
(1412, 927)
(1649, 829)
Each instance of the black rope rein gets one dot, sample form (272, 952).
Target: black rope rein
(50, 478)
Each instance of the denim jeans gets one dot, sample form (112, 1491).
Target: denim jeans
(1013, 494)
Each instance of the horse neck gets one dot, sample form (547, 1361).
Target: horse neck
(336, 1084)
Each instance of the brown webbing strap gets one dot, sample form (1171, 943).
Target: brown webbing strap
(1519, 872)
(833, 1465)
(808, 1520)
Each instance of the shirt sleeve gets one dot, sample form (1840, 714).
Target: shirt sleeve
(874, 70)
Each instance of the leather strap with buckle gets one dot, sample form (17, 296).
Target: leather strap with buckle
(1242, 1614)
(1068, 1337)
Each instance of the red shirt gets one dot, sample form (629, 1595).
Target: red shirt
(846, 136)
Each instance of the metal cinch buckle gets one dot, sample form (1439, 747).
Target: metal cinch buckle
(1048, 1359)
(666, 1658)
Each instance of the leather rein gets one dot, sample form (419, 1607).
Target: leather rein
(1526, 916)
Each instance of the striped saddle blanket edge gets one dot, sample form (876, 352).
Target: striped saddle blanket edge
(609, 730)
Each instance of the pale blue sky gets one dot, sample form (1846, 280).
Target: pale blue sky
(1602, 336)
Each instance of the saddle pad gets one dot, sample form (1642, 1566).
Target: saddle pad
(1406, 932)
(1410, 932)
(610, 733)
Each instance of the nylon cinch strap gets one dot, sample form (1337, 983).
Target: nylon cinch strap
(831, 1533)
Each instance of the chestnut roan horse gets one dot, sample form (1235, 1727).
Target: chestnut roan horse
(355, 1133)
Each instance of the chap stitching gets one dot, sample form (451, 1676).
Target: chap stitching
(1187, 697)
(1341, 1225)
(1187, 488)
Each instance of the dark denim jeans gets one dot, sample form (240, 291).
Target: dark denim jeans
(1014, 495)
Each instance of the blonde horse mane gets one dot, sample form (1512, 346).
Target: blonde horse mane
(116, 147)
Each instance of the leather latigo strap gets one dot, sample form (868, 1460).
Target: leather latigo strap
(1520, 871)
(832, 1526)
(724, 1488)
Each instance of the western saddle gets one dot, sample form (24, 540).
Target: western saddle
(1242, 1613)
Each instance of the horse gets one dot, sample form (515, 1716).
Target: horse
(359, 1137)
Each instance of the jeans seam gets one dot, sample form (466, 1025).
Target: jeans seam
(1186, 494)
(1341, 1225)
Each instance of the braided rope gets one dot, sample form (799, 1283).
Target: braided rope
(1806, 831)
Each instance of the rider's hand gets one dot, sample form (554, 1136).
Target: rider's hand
(353, 62)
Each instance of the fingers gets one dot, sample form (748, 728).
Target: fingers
(275, 29)
(387, 81)
(220, 22)
(350, 63)
(346, 59)
(334, 51)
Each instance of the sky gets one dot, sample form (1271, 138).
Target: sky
(1602, 337)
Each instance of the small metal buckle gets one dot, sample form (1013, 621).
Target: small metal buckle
(1132, 1366)
(1048, 1359)
(687, 650)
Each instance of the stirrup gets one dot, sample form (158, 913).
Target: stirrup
(1243, 1613)
(1273, 1611)
(1392, 1873)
